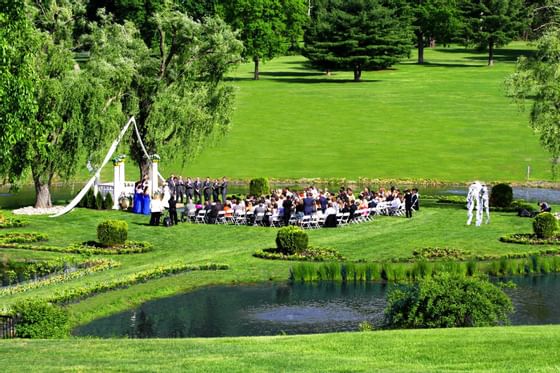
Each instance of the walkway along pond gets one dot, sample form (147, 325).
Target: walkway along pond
(273, 309)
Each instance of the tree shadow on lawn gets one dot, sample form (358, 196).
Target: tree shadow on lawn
(504, 55)
(449, 64)
(300, 78)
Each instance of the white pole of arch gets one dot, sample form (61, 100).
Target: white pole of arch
(89, 184)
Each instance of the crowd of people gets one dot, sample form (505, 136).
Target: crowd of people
(208, 202)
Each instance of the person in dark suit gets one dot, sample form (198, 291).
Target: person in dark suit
(287, 204)
(189, 189)
(173, 210)
(415, 199)
(197, 185)
(207, 189)
(408, 203)
(224, 189)
(216, 190)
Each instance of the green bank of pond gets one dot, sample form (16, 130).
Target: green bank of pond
(294, 308)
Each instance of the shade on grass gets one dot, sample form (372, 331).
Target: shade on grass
(508, 349)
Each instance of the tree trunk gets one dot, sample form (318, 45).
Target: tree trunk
(144, 168)
(357, 73)
(420, 41)
(256, 75)
(42, 194)
(491, 53)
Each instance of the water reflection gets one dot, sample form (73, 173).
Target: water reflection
(272, 309)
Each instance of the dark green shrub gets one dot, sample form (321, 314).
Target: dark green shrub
(40, 319)
(291, 240)
(544, 225)
(112, 232)
(501, 195)
(108, 202)
(446, 301)
(259, 187)
(90, 199)
(99, 201)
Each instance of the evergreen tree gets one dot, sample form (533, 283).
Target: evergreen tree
(358, 35)
(492, 23)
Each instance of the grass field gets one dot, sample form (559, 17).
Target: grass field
(508, 349)
(448, 120)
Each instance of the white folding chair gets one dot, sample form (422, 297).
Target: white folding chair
(200, 217)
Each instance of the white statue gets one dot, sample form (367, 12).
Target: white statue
(478, 197)
(473, 200)
(485, 204)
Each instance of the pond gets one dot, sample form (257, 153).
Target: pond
(273, 309)
(63, 193)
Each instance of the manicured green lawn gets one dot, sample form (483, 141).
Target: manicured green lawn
(447, 120)
(383, 239)
(507, 349)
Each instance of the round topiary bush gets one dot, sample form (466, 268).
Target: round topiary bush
(112, 232)
(447, 301)
(501, 195)
(291, 240)
(259, 187)
(40, 319)
(545, 225)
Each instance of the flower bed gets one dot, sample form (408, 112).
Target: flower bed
(530, 239)
(314, 254)
(93, 248)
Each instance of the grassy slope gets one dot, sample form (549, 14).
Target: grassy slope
(508, 349)
(447, 120)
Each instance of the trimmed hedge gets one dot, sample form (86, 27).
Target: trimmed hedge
(112, 232)
(259, 187)
(291, 240)
(40, 319)
(545, 225)
(501, 195)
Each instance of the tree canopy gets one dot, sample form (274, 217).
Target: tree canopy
(536, 78)
(358, 35)
(266, 27)
(492, 23)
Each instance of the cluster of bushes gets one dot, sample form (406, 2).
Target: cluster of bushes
(446, 301)
(316, 254)
(440, 253)
(82, 269)
(291, 240)
(96, 202)
(40, 319)
(395, 272)
(545, 231)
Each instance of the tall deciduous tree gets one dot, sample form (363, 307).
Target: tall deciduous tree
(537, 78)
(18, 41)
(492, 23)
(73, 114)
(175, 88)
(265, 26)
(434, 20)
(358, 35)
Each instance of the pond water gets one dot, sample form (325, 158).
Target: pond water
(62, 193)
(273, 309)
